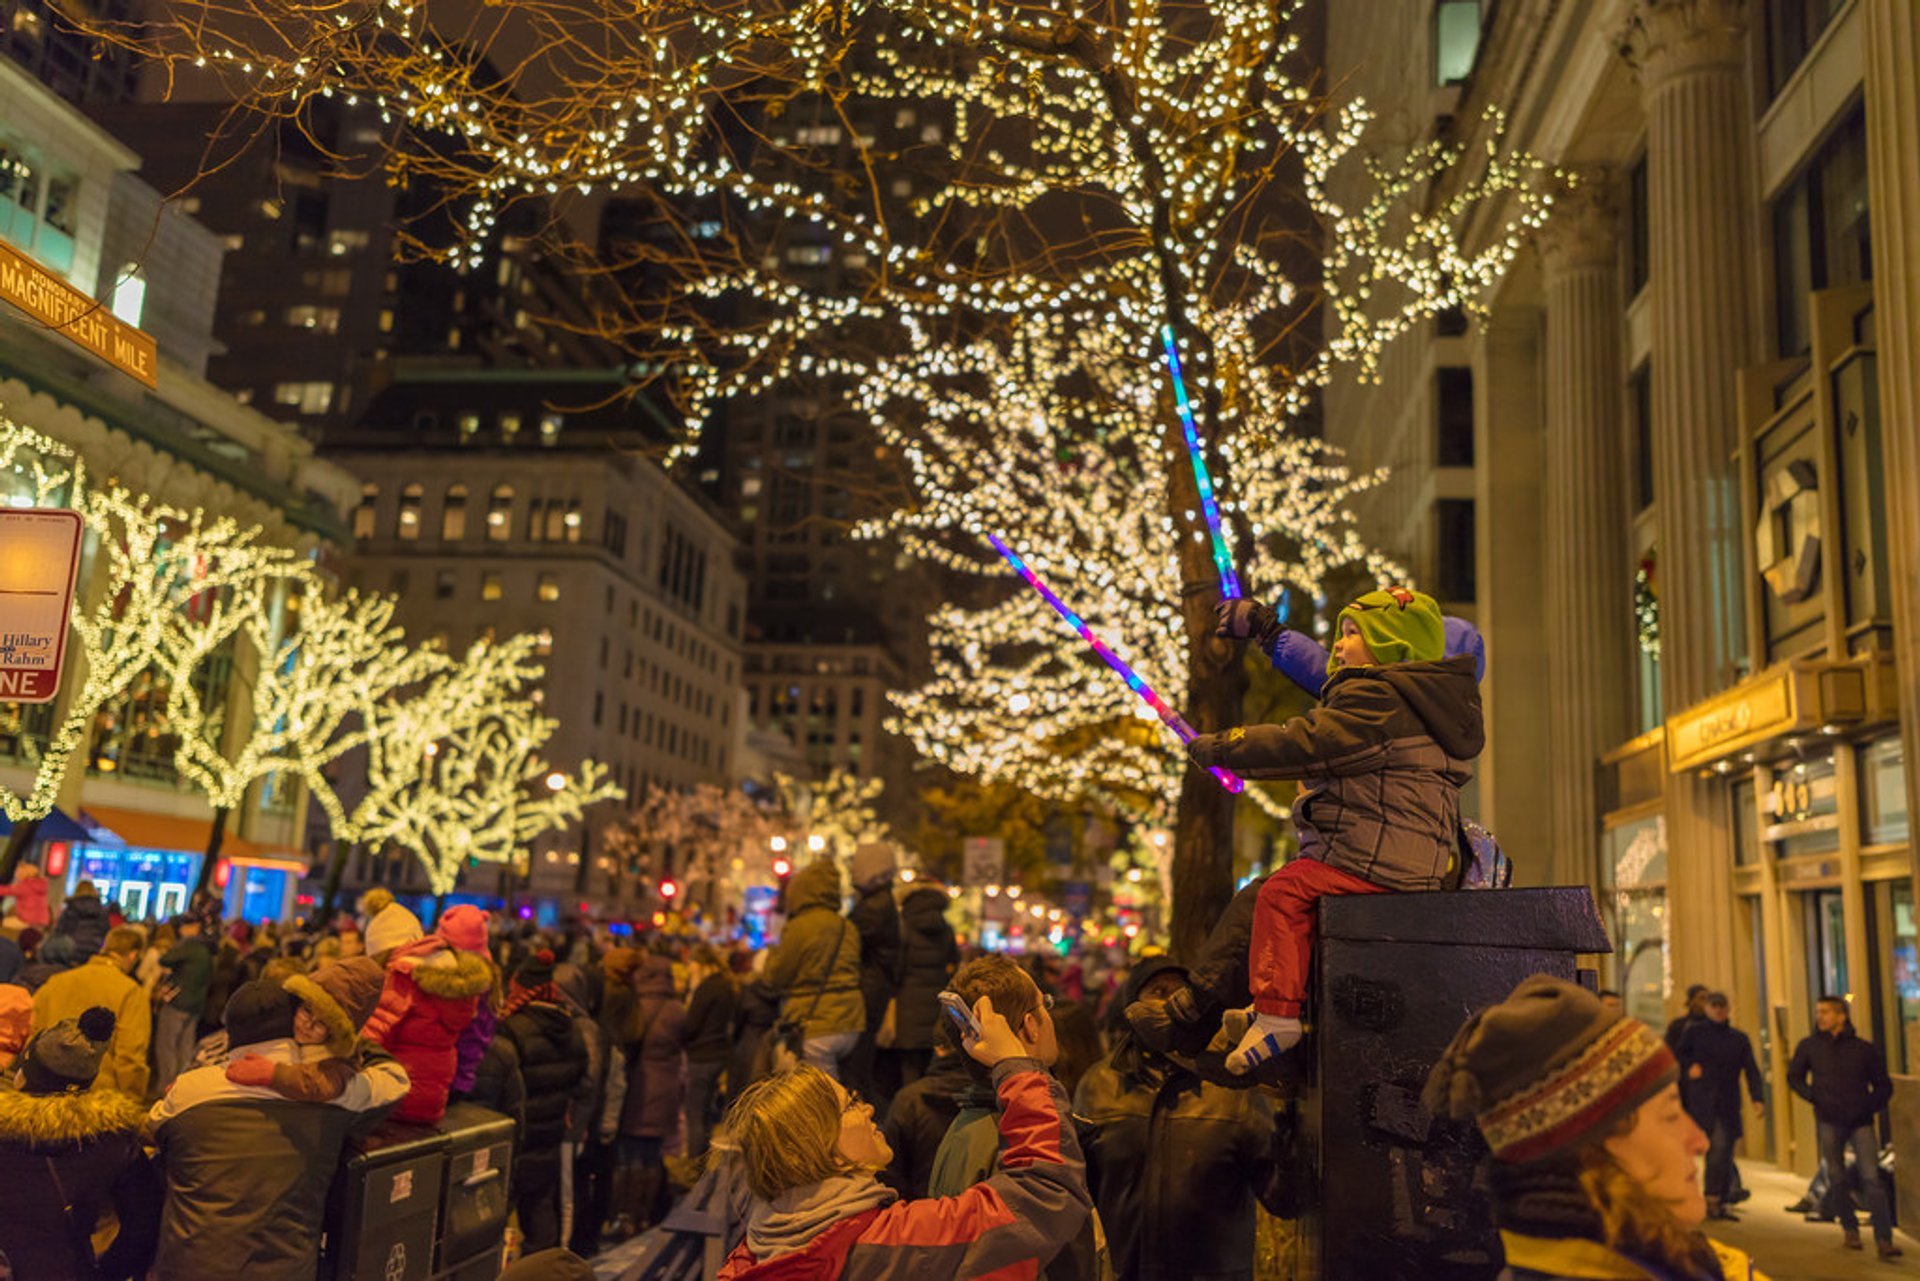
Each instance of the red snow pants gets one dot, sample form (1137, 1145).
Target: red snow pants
(1283, 931)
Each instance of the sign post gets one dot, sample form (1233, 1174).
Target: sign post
(39, 560)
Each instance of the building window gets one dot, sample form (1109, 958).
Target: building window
(1793, 26)
(509, 427)
(1455, 549)
(1883, 789)
(407, 524)
(308, 398)
(547, 587)
(1453, 411)
(550, 425)
(613, 535)
(321, 320)
(1821, 231)
(453, 514)
(543, 642)
(1456, 40)
(1637, 235)
(490, 588)
(500, 514)
(444, 584)
(363, 514)
(130, 295)
(1640, 406)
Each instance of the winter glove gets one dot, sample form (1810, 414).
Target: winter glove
(1248, 620)
(1210, 750)
(251, 1069)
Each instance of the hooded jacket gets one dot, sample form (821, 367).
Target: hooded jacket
(655, 1078)
(853, 1230)
(60, 1157)
(430, 996)
(1849, 1082)
(928, 955)
(876, 919)
(817, 962)
(247, 1170)
(83, 924)
(1388, 752)
(543, 1044)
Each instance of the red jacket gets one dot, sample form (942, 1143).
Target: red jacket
(29, 895)
(430, 996)
(999, 1230)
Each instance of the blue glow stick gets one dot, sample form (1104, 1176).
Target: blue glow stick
(1222, 559)
(1172, 719)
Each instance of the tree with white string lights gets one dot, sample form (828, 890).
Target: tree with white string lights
(1018, 204)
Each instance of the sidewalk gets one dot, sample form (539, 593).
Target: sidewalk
(1788, 1248)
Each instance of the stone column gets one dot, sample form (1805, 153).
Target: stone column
(1691, 58)
(1588, 592)
(1893, 187)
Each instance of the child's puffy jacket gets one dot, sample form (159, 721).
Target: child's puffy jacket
(430, 996)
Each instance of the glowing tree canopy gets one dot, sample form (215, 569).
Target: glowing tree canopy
(708, 836)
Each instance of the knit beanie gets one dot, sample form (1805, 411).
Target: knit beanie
(341, 994)
(1547, 1069)
(536, 971)
(464, 928)
(1398, 625)
(259, 1011)
(65, 1058)
(871, 861)
(394, 927)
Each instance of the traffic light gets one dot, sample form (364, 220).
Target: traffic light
(669, 888)
(783, 867)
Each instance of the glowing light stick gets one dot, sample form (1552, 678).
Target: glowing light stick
(1173, 720)
(1222, 561)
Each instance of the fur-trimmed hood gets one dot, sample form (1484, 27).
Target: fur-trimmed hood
(464, 975)
(42, 1121)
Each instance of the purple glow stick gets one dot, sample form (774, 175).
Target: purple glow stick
(1172, 719)
(1222, 560)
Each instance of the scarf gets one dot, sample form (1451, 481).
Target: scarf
(518, 997)
(793, 1219)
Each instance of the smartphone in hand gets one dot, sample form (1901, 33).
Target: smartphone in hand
(962, 1016)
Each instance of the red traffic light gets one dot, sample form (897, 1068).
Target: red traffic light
(669, 888)
(782, 868)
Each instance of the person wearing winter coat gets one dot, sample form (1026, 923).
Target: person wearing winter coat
(875, 918)
(188, 967)
(539, 1042)
(586, 1165)
(756, 1011)
(811, 1152)
(645, 1092)
(82, 926)
(710, 1006)
(1713, 1056)
(104, 981)
(1390, 747)
(434, 985)
(1591, 1167)
(816, 967)
(1845, 1078)
(247, 1170)
(920, 1116)
(29, 894)
(929, 954)
(68, 1153)
(335, 1000)
(1175, 1164)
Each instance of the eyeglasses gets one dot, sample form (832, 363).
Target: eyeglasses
(1046, 1000)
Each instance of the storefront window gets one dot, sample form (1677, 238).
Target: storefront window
(1635, 872)
(1883, 791)
(1803, 809)
(1897, 987)
(1746, 823)
(148, 885)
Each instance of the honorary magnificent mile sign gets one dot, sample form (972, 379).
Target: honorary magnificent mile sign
(39, 555)
(65, 310)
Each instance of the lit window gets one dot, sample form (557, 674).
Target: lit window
(308, 398)
(363, 514)
(233, 244)
(445, 583)
(344, 241)
(543, 642)
(550, 425)
(1456, 40)
(469, 428)
(408, 524)
(453, 514)
(130, 295)
(490, 586)
(321, 320)
(509, 426)
(500, 514)
(547, 588)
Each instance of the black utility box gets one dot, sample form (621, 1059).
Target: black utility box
(477, 1193)
(1396, 976)
(383, 1209)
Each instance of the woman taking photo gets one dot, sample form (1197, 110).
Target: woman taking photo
(1593, 1172)
(810, 1152)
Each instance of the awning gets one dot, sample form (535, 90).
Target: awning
(59, 826)
(142, 830)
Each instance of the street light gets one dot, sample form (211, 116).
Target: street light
(816, 843)
(556, 782)
(778, 844)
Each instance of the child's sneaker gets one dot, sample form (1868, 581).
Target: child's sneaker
(1266, 1036)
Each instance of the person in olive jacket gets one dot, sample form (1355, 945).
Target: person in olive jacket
(1849, 1088)
(1175, 1164)
(1713, 1056)
(816, 967)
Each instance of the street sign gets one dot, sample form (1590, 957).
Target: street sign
(39, 558)
(985, 860)
(53, 302)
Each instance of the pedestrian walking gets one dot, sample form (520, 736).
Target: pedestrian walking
(811, 1151)
(1845, 1078)
(1591, 1165)
(105, 981)
(1713, 1056)
(816, 967)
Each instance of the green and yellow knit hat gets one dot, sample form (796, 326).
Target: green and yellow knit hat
(1399, 625)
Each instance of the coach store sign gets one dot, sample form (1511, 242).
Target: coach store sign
(1786, 699)
(56, 304)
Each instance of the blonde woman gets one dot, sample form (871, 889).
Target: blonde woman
(1594, 1164)
(810, 1152)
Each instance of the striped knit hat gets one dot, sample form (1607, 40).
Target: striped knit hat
(1547, 1069)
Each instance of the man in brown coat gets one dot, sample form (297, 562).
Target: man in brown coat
(105, 980)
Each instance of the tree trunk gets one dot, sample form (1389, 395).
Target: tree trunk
(17, 842)
(216, 836)
(336, 869)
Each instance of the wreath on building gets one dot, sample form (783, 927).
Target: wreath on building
(1646, 608)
